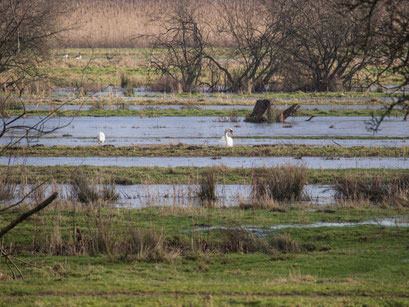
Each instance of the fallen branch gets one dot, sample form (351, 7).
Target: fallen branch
(26, 215)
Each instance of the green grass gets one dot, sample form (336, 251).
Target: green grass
(196, 112)
(210, 151)
(335, 266)
(175, 175)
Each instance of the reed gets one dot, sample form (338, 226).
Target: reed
(207, 187)
(118, 24)
(283, 183)
(376, 189)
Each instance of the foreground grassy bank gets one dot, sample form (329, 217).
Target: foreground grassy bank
(174, 175)
(198, 112)
(298, 151)
(184, 266)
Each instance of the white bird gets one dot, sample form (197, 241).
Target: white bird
(78, 57)
(65, 56)
(101, 138)
(226, 141)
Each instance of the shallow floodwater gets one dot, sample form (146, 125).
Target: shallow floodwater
(387, 222)
(204, 107)
(143, 94)
(129, 141)
(116, 128)
(145, 195)
(247, 162)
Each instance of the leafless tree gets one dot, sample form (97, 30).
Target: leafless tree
(387, 24)
(326, 48)
(251, 32)
(27, 28)
(178, 48)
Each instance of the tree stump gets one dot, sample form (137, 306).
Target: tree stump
(257, 116)
(288, 112)
(262, 112)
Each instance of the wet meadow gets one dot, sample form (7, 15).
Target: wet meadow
(308, 211)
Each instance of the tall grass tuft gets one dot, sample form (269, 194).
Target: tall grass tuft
(283, 183)
(376, 189)
(285, 244)
(147, 244)
(7, 190)
(109, 193)
(82, 191)
(241, 240)
(207, 187)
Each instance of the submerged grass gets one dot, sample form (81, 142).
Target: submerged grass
(181, 150)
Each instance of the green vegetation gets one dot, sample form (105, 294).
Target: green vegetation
(332, 266)
(197, 112)
(298, 151)
(176, 175)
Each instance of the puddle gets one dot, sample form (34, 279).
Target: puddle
(246, 162)
(388, 222)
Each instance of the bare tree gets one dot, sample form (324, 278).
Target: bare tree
(178, 48)
(326, 48)
(252, 38)
(387, 24)
(26, 30)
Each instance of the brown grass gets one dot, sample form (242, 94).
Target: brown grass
(283, 183)
(376, 189)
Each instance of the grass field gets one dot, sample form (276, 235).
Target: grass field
(359, 265)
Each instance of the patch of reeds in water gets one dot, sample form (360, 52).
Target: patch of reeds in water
(7, 190)
(375, 189)
(283, 183)
(85, 192)
(207, 187)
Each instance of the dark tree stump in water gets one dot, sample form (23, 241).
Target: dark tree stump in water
(257, 116)
(288, 112)
(262, 112)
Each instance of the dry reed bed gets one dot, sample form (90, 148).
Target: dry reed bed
(121, 23)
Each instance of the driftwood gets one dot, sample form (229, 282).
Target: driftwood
(262, 112)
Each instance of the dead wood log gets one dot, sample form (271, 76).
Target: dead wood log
(262, 112)
(257, 116)
(288, 112)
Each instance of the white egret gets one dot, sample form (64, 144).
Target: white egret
(101, 138)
